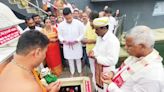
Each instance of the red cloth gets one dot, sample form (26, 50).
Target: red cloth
(53, 56)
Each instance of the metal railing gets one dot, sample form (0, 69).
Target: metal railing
(120, 26)
(35, 6)
(52, 5)
(37, 3)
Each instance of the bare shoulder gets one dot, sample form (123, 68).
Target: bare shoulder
(20, 86)
(30, 86)
(13, 80)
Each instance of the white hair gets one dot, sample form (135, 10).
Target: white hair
(142, 35)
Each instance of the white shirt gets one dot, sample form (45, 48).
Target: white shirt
(149, 79)
(106, 50)
(71, 32)
(36, 28)
(112, 23)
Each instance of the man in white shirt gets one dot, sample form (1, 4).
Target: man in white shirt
(76, 14)
(142, 71)
(71, 32)
(112, 20)
(106, 50)
(38, 21)
(31, 25)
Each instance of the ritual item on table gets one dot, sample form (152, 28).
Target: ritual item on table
(75, 88)
(47, 77)
(75, 84)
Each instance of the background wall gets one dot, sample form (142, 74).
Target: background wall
(138, 12)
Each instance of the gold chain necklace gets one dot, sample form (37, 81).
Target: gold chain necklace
(21, 66)
(24, 68)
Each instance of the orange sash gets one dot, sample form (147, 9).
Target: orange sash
(38, 81)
